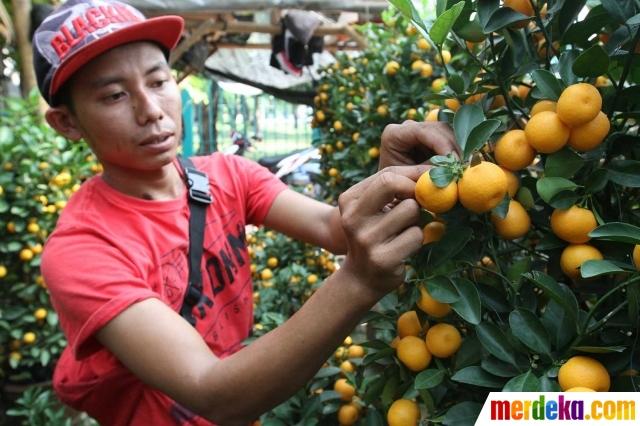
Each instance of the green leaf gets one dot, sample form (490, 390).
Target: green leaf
(525, 197)
(517, 269)
(477, 376)
(620, 10)
(569, 12)
(373, 418)
(428, 379)
(470, 352)
(466, 118)
(469, 306)
(633, 298)
(495, 341)
(449, 245)
(463, 414)
(548, 187)
(500, 368)
(594, 268)
(439, 160)
(527, 382)
(441, 288)
(559, 323)
(547, 83)
(327, 372)
(617, 231)
(503, 17)
(529, 330)
(567, 58)
(479, 136)
(548, 385)
(389, 390)
(564, 200)
(563, 163)
(456, 83)
(624, 172)
(550, 242)
(600, 349)
(441, 28)
(592, 63)
(441, 176)
(596, 181)
(486, 9)
(553, 290)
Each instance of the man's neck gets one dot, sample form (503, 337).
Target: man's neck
(160, 185)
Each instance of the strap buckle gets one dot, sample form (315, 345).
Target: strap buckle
(198, 185)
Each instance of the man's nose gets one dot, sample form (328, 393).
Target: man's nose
(147, 108)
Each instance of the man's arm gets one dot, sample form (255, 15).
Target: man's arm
(308, 220)
(164, 351)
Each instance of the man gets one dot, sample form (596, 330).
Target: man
(117, 263)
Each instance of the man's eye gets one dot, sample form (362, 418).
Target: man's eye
(159, 83)
(115, 96)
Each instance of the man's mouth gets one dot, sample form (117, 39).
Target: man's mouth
(157, 140)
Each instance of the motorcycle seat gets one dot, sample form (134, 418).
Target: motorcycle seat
(269, 162)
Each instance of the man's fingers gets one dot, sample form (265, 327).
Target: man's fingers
(388, 185)
(427, 138)
(406, 243)
(358, 190)
(402, 216)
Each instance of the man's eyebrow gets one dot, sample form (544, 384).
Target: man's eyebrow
(105, 81)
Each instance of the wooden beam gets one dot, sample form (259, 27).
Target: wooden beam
(22, 23)
(203, 29)
(251, 27)
(265, 46)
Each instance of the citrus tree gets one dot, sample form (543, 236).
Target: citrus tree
(528, 277)
(39, 172)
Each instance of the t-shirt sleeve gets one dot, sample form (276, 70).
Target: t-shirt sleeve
(90, 282)
(260, 186)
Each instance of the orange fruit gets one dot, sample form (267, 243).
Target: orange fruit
(413, 353)
(546, 132)
(392, 67)
(345, 389)
(355, 351)
(266, 274)
(579, 104)
(417, 65)
(432, 232)
(482, 187)
(374, 152)
(445, 57)
(29, 337)
(409, 324)
(432, 115)
(347, 415)
(347, 366)
(573, 224)
(574, 255)
(588, 136)
(579, 389)
(394, 342)
(438, 83)
(382, 110)
(427, 70)
(522, 6)
(434, 199)
(636, 256)
(26, 255)
(584, 372)
(430, 305)
(443, 340)
(513, 152)
(452, 104)
(40, 313)
(333, 172)
(272, 262)
(512, 182)
(523, 91)
(544, 105)
(403, 412)
(515, 224)
(423, 44)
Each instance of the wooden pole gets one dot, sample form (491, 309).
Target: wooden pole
(22, 23)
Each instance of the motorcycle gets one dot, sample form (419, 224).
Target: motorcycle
(240, 144)
(298, 167)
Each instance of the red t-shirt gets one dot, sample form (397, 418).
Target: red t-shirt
(110, 250)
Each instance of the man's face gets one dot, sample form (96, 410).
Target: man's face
(128, 108)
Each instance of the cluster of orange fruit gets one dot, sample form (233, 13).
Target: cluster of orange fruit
(575, 120)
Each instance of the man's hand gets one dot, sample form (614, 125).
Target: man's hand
(379, 239)
(413, 143)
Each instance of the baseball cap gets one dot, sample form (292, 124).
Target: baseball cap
(79, 30)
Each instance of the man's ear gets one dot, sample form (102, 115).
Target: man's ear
(64, 122)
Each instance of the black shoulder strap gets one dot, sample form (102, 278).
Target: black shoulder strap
(199, 199)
